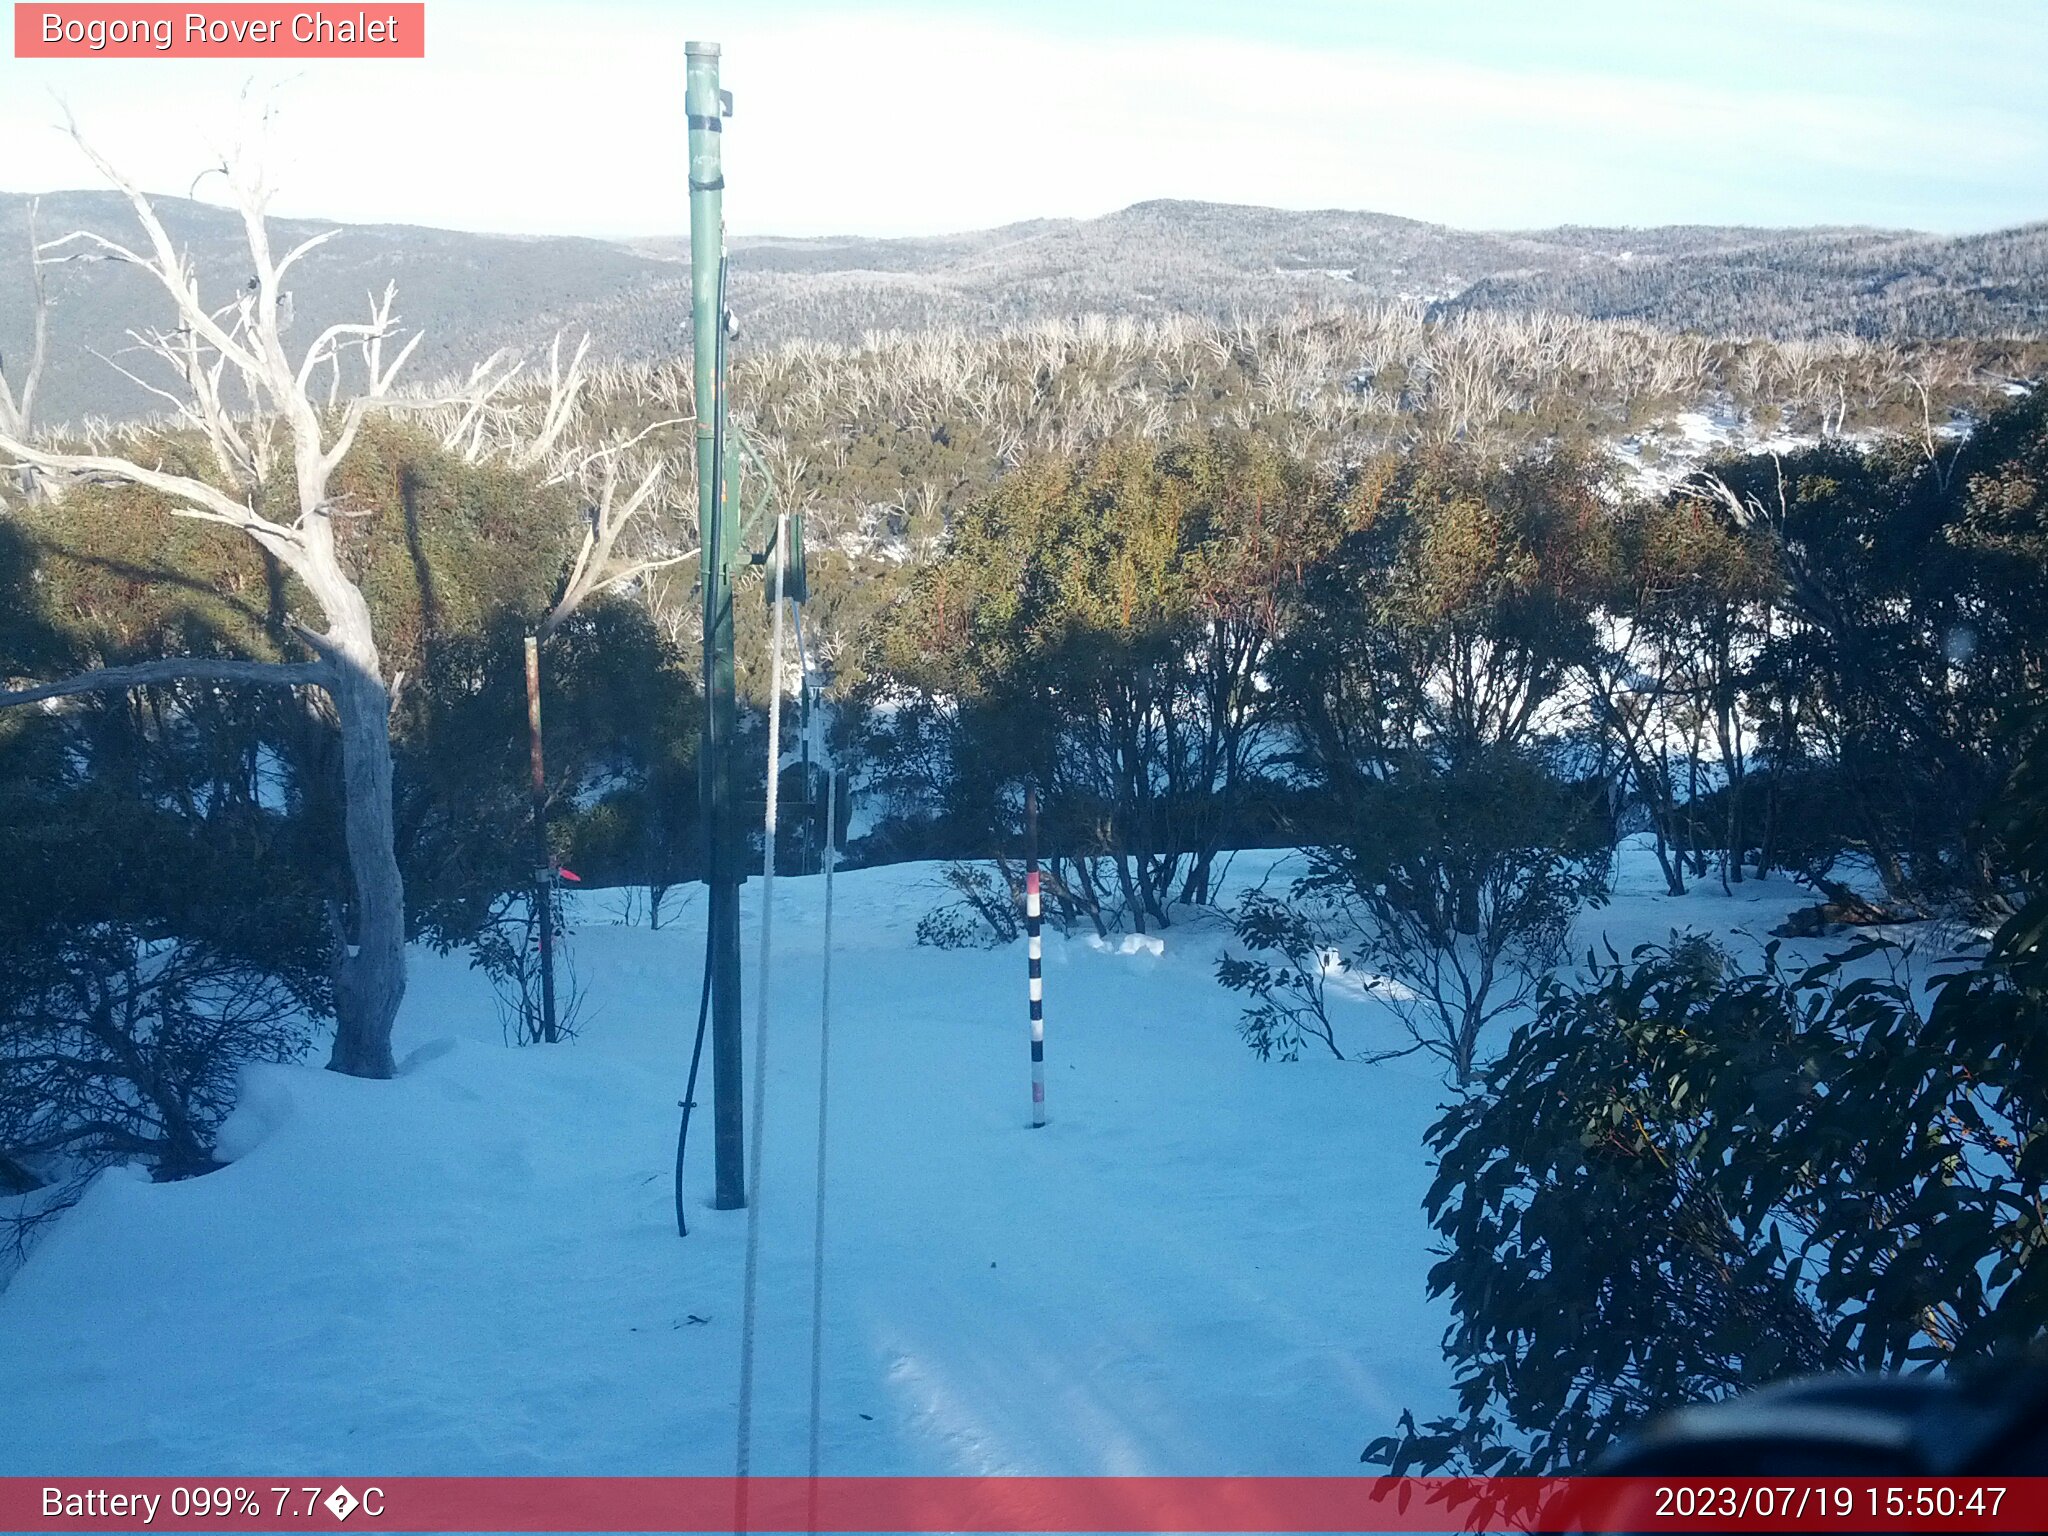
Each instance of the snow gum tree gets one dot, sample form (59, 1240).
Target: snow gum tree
(276, 427)
(1098, 627)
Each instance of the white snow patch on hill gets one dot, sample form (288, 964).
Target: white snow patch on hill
(1664, 454)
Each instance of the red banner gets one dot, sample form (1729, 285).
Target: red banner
(62, 31)
(1066, 1504)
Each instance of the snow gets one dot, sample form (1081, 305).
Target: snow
(1688, 440)
(1128, 944)
(1205, 1264)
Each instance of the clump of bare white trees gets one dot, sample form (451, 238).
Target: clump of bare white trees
(1349, 371)
(634, 485)
(1328, 383)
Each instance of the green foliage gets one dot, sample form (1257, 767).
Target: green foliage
(1450, 615)
(1430, 650)
(1682, 1182)
(162, 920)
(174, 850)
(1687, 593)
(1911, 617)
(1096, 628)
(458, 562)
(1292, 988)
(620, 720)
(1456, 885)
(441, 547)
(438, 546)
(162, 812)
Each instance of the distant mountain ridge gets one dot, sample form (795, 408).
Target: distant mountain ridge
(472, 293)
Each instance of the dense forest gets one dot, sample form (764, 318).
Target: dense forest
(1864, 284)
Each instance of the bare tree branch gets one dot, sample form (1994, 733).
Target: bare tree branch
(563, 388)
(599, 567)
(206, 502)
(171, 270)
(17, 411)
(278, 674)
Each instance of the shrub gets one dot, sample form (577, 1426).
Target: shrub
(116, 1047)
(984, 916)
(1292, 988)
(1458, 885)
(1681, 1183)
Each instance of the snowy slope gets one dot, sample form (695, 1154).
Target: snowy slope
(1205, 1264)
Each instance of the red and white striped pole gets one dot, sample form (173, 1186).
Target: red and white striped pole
(1031, 915)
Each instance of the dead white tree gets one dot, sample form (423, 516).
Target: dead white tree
(217, 352)
(18, 400)
(544, 424)
(564, 387)
(1935, 372)
(473, 423)
(619, 491)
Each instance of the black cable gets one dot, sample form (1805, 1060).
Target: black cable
(708, 562)
(690, 1091)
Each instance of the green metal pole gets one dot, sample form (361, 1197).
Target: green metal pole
(718, 532)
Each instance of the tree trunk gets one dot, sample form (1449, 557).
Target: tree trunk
(369, 979)
(1669, 860)
(1767, 839)
(1465, 905)
(1466, 1047)
(1132, 903)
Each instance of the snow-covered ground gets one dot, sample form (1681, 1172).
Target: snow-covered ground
(1665, 454)
(1204, 1264)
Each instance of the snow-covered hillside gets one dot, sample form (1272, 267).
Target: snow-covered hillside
(1205, 1264)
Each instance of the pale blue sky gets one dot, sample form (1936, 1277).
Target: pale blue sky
(564, 116)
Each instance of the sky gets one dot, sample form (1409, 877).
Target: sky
(565, 116)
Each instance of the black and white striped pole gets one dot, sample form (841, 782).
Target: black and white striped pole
(1031, 928)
